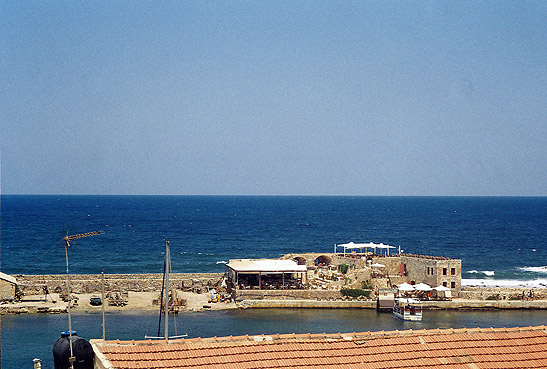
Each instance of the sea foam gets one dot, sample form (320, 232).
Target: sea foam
(508, 283)
(541, 269)
(489, 273)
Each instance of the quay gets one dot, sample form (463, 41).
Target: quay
(457, 304)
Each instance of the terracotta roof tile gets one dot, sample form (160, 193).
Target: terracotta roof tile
(449, 348)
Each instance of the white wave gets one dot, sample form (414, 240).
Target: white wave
(489, 273)
(542, 269)
(222, 262)
(514, 283)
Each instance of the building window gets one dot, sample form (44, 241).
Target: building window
(453, 271)
(452, 284)
(444, 284)
(444, 271)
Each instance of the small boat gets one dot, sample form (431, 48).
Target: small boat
(408, 309)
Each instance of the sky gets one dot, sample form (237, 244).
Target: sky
(425, 98)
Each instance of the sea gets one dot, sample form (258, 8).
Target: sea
(502, 241)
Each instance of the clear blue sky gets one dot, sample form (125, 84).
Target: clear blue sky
(273, 97)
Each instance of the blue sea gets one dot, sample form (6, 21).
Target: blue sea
(501, 241)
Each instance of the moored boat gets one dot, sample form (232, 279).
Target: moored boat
(408, 309)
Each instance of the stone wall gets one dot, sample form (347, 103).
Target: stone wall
(91, 283)
(501, 294)
(286, 294)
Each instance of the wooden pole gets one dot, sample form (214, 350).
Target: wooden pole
(102, 301)
(166, 306)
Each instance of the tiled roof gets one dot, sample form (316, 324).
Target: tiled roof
(447, 348)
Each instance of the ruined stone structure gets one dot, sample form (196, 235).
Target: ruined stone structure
(398, 268)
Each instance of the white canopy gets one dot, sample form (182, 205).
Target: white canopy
(405, 287)
(378, 265)
(351, 245)
(372, 245)
(441, 288)
(266, 266)
(423, 287)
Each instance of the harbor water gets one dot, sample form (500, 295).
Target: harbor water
(32, 336)
(501, 241)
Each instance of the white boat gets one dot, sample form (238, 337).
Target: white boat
(408, 309)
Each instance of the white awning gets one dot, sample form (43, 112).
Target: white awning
(441, 288)
(266, 266)
(423, 287)
(378, 265)
(405, 287)
(372, 245)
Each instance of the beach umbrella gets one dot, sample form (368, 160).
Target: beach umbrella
(441, 288)
(378, 265)
(405, 287)
(423, 287)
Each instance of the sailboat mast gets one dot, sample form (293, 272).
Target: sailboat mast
(167, 271)
(71, 359)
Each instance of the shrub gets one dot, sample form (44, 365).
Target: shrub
(367, 285)
(343, 268)
(355, 292)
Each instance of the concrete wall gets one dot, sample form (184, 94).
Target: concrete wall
(91, 283)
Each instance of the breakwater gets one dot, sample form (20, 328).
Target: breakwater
(91, 283)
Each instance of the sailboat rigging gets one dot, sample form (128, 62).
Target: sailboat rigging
(164, 299)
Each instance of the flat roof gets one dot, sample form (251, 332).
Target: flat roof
(446, 348)
(266, 265)
(7, 277)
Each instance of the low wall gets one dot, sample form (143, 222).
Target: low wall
(307, 304)
(371, 304)
(91, 283)
(286, 294)
(500, 293)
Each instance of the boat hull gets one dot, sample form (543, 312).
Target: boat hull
(416, 317)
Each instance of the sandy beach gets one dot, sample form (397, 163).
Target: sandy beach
(137, 301)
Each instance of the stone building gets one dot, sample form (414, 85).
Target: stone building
(392, 269)
(8, 285)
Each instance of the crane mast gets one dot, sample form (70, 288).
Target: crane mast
(67, 240)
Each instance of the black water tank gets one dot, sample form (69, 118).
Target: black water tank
(81, 348)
